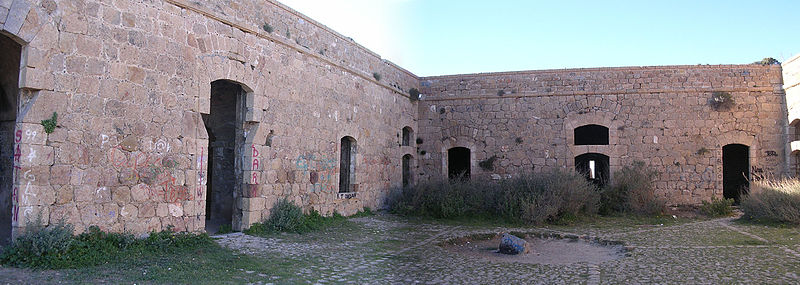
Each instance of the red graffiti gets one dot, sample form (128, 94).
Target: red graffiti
(18, 136)
(255, 178)
(120, 159)
(17, 155)
(255, 159)
(174, 193)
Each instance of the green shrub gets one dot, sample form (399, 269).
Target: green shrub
(767, 61)
(225, 229)
(773, 201)
(50, 124)
(632, 191)
(717, 207)
(377, 76)
(530, 198)
(55, 246)
(285, 216)
(39, 246)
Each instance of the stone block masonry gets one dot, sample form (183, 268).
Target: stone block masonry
(137, 140)
(194, 115)
(660, 115)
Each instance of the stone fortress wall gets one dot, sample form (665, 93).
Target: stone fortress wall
(193, 115)
(131, 82)
(659, 115)
(791, 85)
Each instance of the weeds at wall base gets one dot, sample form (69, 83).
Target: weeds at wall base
(55, 247)
(285, 216)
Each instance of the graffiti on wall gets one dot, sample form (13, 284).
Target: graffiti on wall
(16, 167)
(321, 172)
(153, 169)
(254, 164)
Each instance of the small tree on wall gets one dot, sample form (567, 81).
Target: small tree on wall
(721, 101)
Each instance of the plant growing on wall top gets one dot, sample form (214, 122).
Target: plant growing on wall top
(767, 61)
(50, 124)
(721, 101)
(413, 94)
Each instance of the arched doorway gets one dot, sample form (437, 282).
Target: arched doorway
(223, 123)
(10, 52)
(593, 166)
(458, 163)
(406, 170)
(735, 171)
(347, 165)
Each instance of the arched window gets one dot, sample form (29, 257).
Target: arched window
(407, 134)
(458, 163)
(347, 165)
(591, 135)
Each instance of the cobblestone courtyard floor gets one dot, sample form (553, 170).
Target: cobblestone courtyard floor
(386, 249)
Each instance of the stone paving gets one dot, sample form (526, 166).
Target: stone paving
(385, 249)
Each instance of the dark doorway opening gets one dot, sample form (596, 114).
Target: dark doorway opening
(9, 93)
(347, 163)
(406, 170)
(593, 166)
(735, 171)
(458, 163)
(591, 135)
(222, 124)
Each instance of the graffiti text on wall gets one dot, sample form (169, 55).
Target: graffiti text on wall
(321, 172)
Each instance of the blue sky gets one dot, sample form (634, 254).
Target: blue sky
(436, 37)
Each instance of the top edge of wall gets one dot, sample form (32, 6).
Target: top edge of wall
(792, 59)
(594, 69)
(339, 35)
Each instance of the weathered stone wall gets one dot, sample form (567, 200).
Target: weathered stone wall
(131, 79)
(659, 115)
(791, 85)
(131, 82)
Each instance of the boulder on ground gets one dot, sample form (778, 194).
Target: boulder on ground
(510, 244)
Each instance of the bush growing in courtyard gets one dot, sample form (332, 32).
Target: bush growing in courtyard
(55, 246)
(717, 207)
(773, 201)
(285, 216)
(632, 191)
(530, 198)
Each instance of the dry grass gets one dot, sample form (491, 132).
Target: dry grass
(773, 201)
